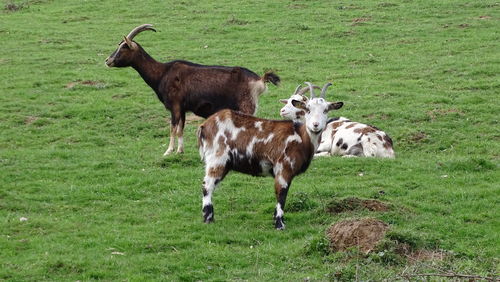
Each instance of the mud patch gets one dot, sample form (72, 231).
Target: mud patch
(30, 119)
(352, 204)
(443, 112)
(88, 83)
(358, 21)
(418, 137)
(13, 7)
(362, 233)
(191, 118)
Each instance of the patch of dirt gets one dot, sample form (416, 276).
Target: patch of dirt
(12, 7)
(406, 251)
(351, 204)
(464, 25)
(418, 137)
(92, 83)
(363, 233)
(190, 118)
(358, 21)
(376, 116)
(484, 17)
(442, 112)
(30, 119)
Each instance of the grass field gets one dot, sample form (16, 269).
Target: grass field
(85, 193)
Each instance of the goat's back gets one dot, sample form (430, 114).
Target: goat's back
(209, 89)
(250, 144)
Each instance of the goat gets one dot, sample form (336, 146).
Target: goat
(230, 140)
(342, 136)
(184, 86)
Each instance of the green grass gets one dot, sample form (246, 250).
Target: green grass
(83, 161)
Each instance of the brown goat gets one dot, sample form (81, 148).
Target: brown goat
(230, 140)
(183, 86)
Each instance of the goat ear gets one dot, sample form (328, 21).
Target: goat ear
(299, 104)
(129, 43)
(284, 101)
(335, 106)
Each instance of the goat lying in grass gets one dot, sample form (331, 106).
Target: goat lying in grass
(230, 140)
(341, 136)
(183, 86)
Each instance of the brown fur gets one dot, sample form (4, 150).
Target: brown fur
(183, 86)
(274, 154)
(365, 130)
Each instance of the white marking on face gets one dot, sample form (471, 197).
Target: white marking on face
(316, 117)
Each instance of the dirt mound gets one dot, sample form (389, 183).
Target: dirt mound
(351, 204)
(363, 233)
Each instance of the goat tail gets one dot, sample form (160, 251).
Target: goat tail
(271, 77)
(201, 137)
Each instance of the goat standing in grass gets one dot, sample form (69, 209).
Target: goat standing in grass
(183, 86)
(341, 136)
(230, 140)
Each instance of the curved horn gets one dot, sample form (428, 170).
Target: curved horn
(311, 89)
(323, 91)
(303, 90)
(140, 29)
(296, 89)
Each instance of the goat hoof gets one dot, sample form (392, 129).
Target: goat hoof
(279, 224)
(168, 152)
(208, 214)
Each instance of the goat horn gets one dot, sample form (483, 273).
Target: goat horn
(296, 90)
(311, 89)
(140, 29)
(323, 91)
(303, 90)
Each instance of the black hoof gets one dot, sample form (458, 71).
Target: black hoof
(208, 214)
(279, 224)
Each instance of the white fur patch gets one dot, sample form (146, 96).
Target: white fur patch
(228, 125)
(258, 125)
(250, 146)
(293, 138)
(279, 211)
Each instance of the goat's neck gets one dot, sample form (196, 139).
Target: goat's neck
(150, 70)
(314, 137)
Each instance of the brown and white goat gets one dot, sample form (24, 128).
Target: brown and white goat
(230, 140)
(341, 136)
(183, 86)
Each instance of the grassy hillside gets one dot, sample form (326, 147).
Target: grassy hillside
(86, 194)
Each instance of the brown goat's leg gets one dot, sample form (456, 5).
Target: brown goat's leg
(281, 185)
(180, 132)
(170, 148)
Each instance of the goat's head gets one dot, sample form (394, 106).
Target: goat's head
(289, 111)
(316, 109)
(127, 48)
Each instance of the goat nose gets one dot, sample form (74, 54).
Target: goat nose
(315, 124)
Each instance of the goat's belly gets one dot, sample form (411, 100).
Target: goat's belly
(253, 167)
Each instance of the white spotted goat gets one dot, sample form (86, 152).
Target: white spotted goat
(230, 140)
